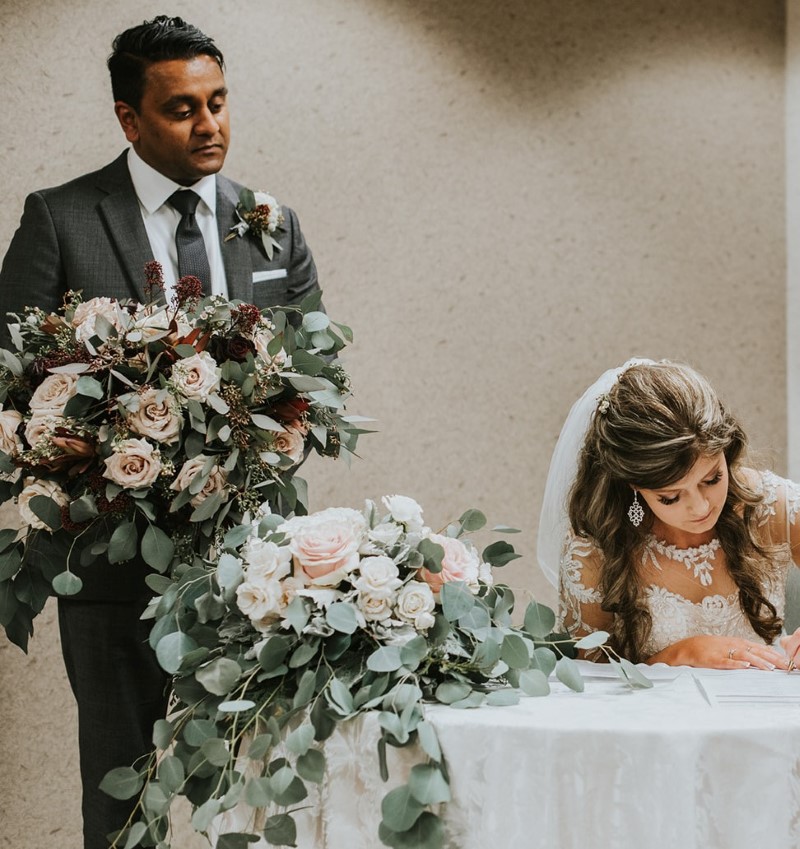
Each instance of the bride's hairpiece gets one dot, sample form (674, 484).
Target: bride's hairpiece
(603, 404)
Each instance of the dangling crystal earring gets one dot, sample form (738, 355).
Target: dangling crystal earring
(635, 511)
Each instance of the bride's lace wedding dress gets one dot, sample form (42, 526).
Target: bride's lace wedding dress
(688, 591)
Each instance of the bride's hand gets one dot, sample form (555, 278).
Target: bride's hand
(725, 653)
(791, 645)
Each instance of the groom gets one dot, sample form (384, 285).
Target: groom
(96, 234)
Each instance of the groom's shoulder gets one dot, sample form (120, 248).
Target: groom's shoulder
(100, 181)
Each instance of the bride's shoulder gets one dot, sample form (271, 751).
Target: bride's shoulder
(779, 496)
(581, 555)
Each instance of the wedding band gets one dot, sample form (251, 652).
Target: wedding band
(749, 649)
(731, 653)
(791, 665)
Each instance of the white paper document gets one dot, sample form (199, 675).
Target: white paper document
(748, 686)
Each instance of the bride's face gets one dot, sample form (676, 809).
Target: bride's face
(693, 504)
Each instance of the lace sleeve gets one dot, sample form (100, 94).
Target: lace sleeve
(780, 509)
(579, 600)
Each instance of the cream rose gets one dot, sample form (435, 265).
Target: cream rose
(261, 339)
(215, 482)
(378, 576)
(415, 605)
(376, 608)
(40, 426)
(52, 394)
(265, 560)
(290, 442)
(260, 601)
(325, 545)
(84, 319)
(134, 464)
(404, 510)
(33, 488)
(157, 417)
(10, 443)
(460, 563)
(196, 377)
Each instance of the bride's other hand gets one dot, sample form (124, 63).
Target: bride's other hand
(791, 645)
(712, 652)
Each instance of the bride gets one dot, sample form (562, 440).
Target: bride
(657, 532)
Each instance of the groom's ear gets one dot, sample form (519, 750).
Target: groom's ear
(128, 119)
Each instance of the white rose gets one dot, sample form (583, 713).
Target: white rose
(290, 442)
(157, 416)
(40, 426)
(196, 377)
(325, 545)
(33, 488)
(378, 576)
(485, 575)
(376, 608)
(387, 533)
(84, 320)
(10, 443)
(265, 560)
(134, 464)
(415, 605)
(52, 394)
(404, 510)
(215, 482)
(260, 601)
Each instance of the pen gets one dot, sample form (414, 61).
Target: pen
(702, 689)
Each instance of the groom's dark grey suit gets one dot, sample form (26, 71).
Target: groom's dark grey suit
(88, 234)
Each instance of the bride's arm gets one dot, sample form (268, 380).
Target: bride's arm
(580, 610)
(712, 652)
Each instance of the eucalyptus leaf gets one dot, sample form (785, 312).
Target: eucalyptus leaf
(385, 659)
(280, 830)
(311, 766)
(171, 650)
(429, 741)
(67, 583)
(219, 676)
(157, 548)
(47, 510)
(400, 809)
(568, 673)
(428, 785)
(457, 600)
(123, 543)
(539, 620)
(122, 783)
(533, 682)
(503, 698)
(635, 676)
(592, 641)
(341, 616)
(472, 520)
(299, 740)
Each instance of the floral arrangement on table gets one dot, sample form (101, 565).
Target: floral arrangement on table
(298, 624)
(146, 431)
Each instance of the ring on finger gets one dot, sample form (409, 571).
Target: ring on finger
(731, 653)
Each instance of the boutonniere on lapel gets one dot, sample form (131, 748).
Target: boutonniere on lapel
(259, 214)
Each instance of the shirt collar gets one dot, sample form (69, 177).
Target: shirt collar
(153, 188)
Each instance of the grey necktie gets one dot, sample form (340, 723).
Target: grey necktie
(192, 256)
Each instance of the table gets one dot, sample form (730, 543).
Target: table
(609, 768)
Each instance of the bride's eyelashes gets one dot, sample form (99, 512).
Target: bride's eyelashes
(710, 482)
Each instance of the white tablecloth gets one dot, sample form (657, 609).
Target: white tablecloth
(605, 769)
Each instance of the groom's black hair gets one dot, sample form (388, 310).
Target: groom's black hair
(158, 40)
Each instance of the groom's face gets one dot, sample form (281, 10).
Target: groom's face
(181, 126)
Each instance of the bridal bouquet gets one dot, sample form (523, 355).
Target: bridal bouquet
(298, 624)
(145, 431)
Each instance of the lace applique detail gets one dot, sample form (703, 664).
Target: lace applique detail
(573, 592)
(696, 559)
(769, 489)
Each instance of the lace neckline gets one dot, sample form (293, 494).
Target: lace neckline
(696, 559)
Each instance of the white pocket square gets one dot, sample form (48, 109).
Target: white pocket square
(274, 274)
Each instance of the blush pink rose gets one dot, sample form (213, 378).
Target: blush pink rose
(460, 563)
(325, 545)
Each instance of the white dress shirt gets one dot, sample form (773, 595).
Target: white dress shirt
(161, 220)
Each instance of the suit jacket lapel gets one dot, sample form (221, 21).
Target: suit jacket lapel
(120, 210)
(236, 255)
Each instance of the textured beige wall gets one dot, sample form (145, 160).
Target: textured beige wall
(503, 199)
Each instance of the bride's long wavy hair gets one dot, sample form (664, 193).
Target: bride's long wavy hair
(655, 423)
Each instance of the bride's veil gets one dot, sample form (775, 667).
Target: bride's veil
(554, 520)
